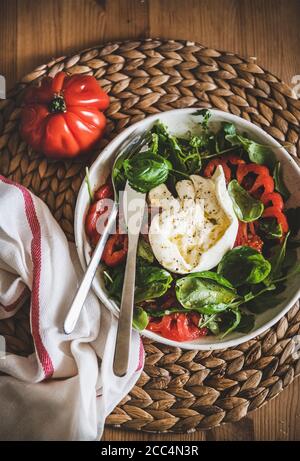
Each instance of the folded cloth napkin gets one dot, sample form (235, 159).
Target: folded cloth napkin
(66, 388)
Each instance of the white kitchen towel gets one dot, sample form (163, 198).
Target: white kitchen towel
(66, 388)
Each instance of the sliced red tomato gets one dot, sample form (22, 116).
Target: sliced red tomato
(178, 326)
(97, 209)
(247, 236)
(105, 191)
(273, 212)
(272, 199)
(225, 161)
(115, 250)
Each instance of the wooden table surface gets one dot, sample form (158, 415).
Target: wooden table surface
(33, 31)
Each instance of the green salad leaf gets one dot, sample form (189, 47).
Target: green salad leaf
(134, 147)
(257, 153)
(246, 323)
(279, 183)
(244, 265)
(270, 228)
(144, 251)
(277, 259)
(183, 153)
(230, 321)
(140, 319)
(151, 282)
(246, 207)
(204, 292)
(146, 170)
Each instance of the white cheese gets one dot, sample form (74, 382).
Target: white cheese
(195, 230)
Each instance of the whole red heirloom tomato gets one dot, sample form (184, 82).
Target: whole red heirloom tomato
(62, 117)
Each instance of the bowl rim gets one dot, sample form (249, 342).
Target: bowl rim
(79, 229)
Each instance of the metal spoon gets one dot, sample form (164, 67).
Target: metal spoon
(132, 145)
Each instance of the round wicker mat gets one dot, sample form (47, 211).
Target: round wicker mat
(179, 390)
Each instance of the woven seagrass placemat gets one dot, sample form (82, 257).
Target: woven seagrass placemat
(179, 390)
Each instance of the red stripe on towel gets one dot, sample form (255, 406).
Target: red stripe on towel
(36, 254)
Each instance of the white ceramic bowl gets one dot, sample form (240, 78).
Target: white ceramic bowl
(179, 122)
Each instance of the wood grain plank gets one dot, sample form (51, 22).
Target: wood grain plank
(8, 39)
(52, 28)
(266, 29)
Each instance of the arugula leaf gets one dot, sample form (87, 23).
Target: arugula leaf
(244, 265)
(206, 114)
(183, 154)
(140, 319)
(146, 170)
(263, 302)
(279, 183)
(212, 322)
(277, 260)
(88, 183)
(230, 321)
(246, 207)
(270, 228)
(205, 293)
(151, 282)
(246, 323)
(229, 129)
(144, 251)
(113, 280)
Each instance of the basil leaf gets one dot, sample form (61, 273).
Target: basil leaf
(212, 276)
(134, 147)
(161, 313)
(246, 207)
(270, 228)
(244, 265)
(279, 183)
(203, 294)
(257, 153)
(144, 251)
(140, 319)
(146, 171)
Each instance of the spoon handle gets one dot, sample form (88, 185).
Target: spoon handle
(87, 279)
(123, 340)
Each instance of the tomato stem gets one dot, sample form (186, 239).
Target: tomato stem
(58, 104)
